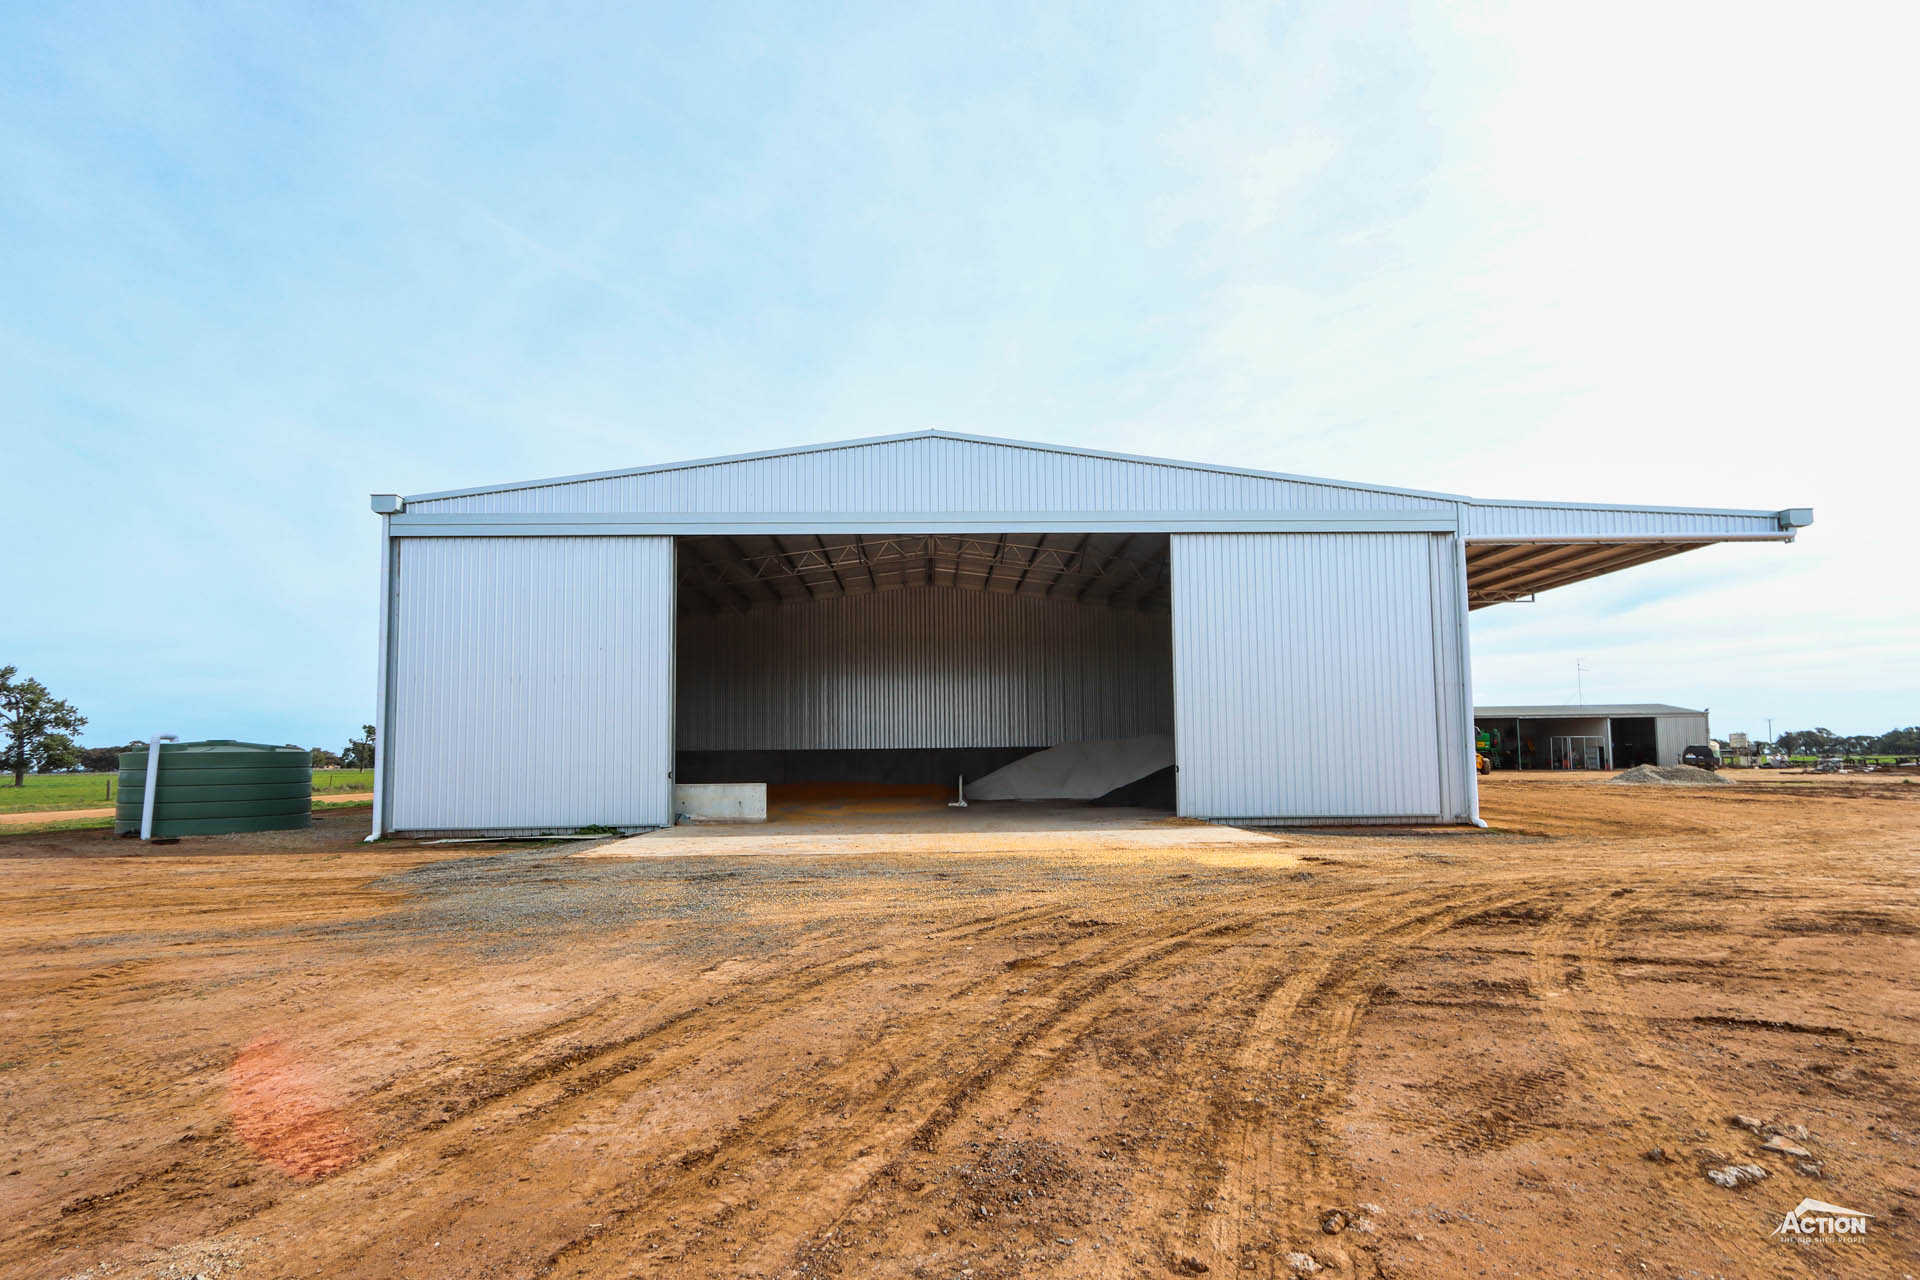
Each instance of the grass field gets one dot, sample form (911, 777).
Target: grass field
(47, 791)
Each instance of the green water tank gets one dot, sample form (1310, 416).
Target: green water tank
(212, 788)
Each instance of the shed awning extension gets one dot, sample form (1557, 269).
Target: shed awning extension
(1516, 549)
(1498, 573)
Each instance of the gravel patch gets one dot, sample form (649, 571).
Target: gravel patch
(518, 899)
(1671, 775)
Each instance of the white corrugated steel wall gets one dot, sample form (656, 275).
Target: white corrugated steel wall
(1313, 679)
(1518, 520)
(929, 474)
(1672, 735)
(927, 667)
(531, 684)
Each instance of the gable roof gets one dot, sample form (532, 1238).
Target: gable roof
(931, 434)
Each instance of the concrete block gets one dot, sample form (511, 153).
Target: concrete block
(720, 801)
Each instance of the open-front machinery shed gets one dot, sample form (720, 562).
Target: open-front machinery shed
(920, 606)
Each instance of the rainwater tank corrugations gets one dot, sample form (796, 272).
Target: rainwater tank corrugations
(212, 788)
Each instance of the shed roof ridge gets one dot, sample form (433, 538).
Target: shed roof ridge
(931, 433)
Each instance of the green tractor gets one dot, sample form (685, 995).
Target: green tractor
(1485, 742)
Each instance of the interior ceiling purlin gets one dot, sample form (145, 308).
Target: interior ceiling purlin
(747, 571)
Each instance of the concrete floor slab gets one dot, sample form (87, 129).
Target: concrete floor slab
(896, 826)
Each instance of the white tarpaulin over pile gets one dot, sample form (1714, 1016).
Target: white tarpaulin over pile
(1076, 770)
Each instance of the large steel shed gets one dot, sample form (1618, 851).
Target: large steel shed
(552, 650)
(1614, 735)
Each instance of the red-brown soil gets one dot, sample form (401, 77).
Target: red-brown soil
(1409, 1054)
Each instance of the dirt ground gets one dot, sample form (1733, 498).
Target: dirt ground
(41, 817)
(1512, 1052)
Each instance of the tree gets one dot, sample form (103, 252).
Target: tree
(1898, 742)
(359, 752)
(104, 759)
(1808, 742)
(29, 716)
(323, 758)
(57, 752)
(1825, 742)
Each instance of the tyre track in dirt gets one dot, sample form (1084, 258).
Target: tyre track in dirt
(532, 1073)
(748, 1007)
(907, 1115)
(516, 1066)
(1169, 1198)
(505, 1067)
(518, 1117)
(1705, 1106)
(1033, 1052)
(1268, 1198)
(528, 1071)
(1570, 952)
(1032, 1059)
(1024, 1069)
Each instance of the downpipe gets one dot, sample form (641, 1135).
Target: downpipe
(153, 779)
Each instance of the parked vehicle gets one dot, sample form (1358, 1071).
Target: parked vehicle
(1701, 757)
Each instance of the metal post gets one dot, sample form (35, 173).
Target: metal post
(153, 777)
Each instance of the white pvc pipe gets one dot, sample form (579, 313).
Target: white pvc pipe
(153, 776)
(382, 667)
(961, 803)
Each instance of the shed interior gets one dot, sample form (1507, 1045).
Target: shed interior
(861, 664)
(1634, 741)
(1572, 742)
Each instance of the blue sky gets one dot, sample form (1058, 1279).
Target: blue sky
(263, 260)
